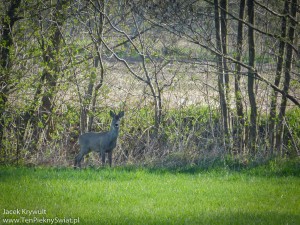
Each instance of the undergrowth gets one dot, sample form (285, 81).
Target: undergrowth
(191, 136)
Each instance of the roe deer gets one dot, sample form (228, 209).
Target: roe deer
(102, 143)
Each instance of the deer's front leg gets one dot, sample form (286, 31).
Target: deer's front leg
(110, 158)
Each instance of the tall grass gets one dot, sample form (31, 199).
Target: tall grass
(152, 196)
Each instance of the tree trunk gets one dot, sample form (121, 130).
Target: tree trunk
(221, 77)
(95, 93)
(86, 101)
(224, 9)
(40, 112)
(251, 79)
(223, 23)
(51, 71)
(239, 129)
(7, 23)
(98, 46)
(88, 104)
(287, 78)
(272, 116)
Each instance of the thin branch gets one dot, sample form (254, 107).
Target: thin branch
(216, 52)
(257, 29)
(276, 13)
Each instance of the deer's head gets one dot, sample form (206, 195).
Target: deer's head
(116, 119)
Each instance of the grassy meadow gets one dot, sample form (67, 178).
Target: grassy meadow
(125, 195)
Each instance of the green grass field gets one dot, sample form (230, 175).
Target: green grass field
(145, 196)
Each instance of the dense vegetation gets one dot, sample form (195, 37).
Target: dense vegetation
(201, 82)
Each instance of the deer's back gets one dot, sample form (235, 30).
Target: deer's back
(96, 141)
(92, 140)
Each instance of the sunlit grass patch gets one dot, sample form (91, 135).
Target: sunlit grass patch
(142, 196)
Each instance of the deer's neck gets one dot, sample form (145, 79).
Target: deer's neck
(114, 132)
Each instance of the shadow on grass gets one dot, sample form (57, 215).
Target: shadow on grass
(272, 168)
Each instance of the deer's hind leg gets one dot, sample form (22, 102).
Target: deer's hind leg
(102, 156)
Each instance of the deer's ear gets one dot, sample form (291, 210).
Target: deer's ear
(121, 114)
(111, 113)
